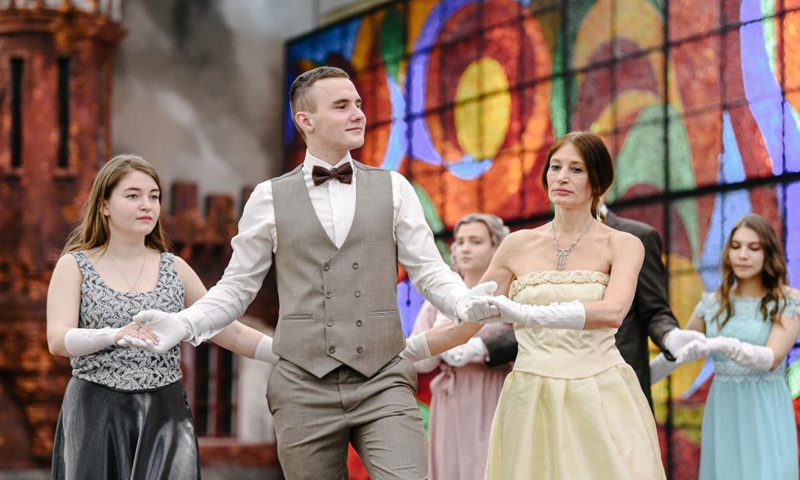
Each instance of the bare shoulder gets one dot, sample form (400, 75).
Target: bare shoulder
(522, 238)
(183, 268)
(67, 271)
(621, 241)
(67, 262)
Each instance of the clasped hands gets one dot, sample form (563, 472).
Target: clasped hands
(695, 346)
(479, 306)
(169, 330)
(748, 355)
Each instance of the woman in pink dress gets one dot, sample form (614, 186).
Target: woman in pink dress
(465, 393)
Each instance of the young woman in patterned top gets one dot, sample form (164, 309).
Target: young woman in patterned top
(125, 414)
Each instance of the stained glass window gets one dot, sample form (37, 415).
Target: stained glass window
(699, 103)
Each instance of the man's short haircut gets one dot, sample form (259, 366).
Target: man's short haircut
(299, 100)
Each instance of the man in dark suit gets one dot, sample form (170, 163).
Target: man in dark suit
(650, 315)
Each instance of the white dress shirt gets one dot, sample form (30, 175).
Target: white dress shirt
(335, 205)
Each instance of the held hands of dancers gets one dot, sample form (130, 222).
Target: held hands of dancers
(83, 341)
(565, 315)
(678, 338)
(685, 345)
(694, 350)
(745, 354)
(169, 329)
(473, 307)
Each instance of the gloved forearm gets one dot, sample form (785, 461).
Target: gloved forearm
(660, 368)
(757, 357)
(571, 315)
(83, 341)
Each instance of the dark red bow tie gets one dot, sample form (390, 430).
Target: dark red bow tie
(321, 175)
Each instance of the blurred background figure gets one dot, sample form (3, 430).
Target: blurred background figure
(464, 394)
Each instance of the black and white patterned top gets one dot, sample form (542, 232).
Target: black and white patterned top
(122, 368)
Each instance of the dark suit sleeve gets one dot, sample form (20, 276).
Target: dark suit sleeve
(502, 348)
(651, 291)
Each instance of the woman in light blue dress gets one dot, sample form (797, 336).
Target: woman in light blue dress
(751, 322)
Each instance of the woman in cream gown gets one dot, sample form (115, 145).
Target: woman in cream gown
(571, 408)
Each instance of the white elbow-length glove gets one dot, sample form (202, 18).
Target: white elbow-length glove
(745, 354)
(569, 315)
(83, 341)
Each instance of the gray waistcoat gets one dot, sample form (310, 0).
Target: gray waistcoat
(337, 305)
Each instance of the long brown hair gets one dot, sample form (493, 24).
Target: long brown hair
(93, 230)
(773, 273)
(598, 162)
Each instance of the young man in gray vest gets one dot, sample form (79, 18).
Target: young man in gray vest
(337, 235)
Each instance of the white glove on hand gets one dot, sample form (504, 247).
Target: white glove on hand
(694, 350)
(416, 348)
(264, 351)
(660, 367)
(472, 307)
(472, 351)
(745, 354)
(170, 328)
(570, 315)
(676, 339)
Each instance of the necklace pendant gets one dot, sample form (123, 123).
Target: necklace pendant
(561, 259)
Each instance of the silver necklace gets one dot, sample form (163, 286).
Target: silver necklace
(562, 254)
(132, 287)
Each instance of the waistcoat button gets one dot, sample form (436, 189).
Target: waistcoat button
(358, 294)
(326, 267)
(355, 266)
(360, 349)
(359, 323)
(332, 350)
(328, 295)
(330, 324)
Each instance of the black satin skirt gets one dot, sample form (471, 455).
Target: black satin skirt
(105, 434)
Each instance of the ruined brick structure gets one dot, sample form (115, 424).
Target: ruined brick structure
(55, 95)
(56, 75)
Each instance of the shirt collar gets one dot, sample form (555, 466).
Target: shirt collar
(311, 161)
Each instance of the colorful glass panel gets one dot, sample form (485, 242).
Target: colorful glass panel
(698, 102)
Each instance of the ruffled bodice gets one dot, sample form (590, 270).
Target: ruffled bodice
(748, 325)
(562, 353)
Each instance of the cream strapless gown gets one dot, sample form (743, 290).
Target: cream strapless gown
(571, 409)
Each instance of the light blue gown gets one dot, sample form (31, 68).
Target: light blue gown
(749, 427)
